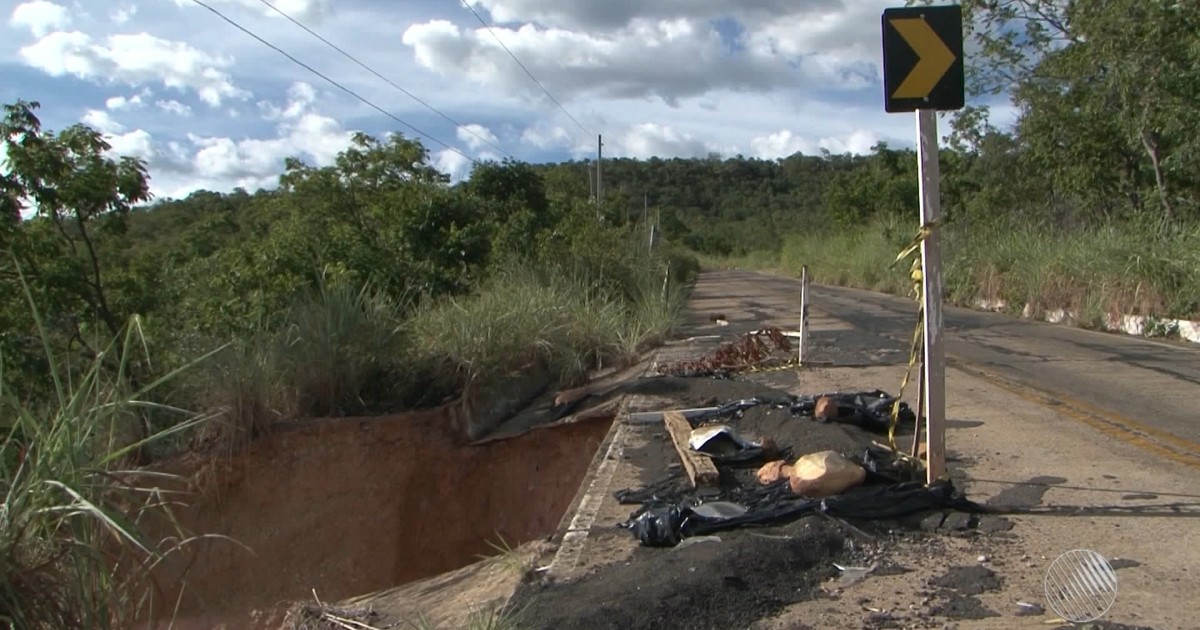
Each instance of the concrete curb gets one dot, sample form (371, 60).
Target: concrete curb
(576, 525)
(1134, 325)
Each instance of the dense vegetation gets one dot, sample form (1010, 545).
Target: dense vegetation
(131, 327)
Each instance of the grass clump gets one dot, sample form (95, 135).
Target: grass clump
(72, 553)
(326, 355)
(859, 258)
(524, 318)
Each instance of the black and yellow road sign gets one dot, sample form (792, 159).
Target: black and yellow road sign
(923, 59)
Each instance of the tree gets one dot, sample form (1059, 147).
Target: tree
(74, 194)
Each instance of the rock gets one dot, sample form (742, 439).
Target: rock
(825, 409)
(771, 472)
(824, 474)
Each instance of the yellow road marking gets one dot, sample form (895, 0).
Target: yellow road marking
(1116, 426)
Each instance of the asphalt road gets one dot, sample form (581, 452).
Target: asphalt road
(1147, 389)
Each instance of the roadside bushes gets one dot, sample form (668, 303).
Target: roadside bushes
(1094, 272)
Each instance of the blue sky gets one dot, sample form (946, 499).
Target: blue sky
(208, 107)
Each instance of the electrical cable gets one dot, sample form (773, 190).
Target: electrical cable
(414, 97)
(331, 81)
(510, 54)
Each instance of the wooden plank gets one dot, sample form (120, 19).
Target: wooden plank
(700, 469)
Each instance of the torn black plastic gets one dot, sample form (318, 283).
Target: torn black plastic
(884, 466)
(665, 525)
(871, 410)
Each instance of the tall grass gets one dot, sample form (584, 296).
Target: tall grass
(851, 257)
(1094, 272)
(525, 318)
(338, 339)
(333, 344)
(72, 554)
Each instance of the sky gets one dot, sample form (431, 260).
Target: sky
(208, 106)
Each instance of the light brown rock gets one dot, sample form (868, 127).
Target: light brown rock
(771, 472)
(825, 473)
(826, 409)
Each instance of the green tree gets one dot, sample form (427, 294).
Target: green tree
(74, 195)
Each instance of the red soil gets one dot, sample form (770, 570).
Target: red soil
(355, 505)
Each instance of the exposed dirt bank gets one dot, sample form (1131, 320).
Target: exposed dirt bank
(356, 505)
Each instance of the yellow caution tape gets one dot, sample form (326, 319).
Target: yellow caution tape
(917, 277)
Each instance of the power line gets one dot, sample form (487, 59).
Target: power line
(510, 54)
(331, 81)
(389, 81)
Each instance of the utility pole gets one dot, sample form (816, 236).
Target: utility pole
(591, 183)
(599, 172)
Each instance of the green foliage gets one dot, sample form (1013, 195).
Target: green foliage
(76, 196)
(72, 554)
(1105, 93)
(1096, 272)
(279, 280)
(522, 319)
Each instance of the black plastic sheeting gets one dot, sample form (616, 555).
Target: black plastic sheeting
(870, 410)
(665, 525)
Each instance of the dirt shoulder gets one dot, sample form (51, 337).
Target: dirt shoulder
(1064, 485)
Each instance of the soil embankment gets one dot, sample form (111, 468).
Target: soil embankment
(350, 506)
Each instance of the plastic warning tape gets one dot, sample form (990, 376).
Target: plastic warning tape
(918, 292)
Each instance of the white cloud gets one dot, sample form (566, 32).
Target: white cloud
(222, 163)
(137, 143)
(546, 137)
(300, 96)
(476, 136)
(128, 102)
(101, 121)
(134, 60)
(454, 164)
(298, 9)
(123, 13)
(649, 139)
(669, 59)
(174, 107)
(784, 143)
(592, 15)
(40, 17)
(670, 49)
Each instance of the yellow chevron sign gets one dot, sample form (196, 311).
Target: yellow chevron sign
(922, 59)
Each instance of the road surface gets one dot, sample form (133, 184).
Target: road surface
(1142, 391)
(1081, 440)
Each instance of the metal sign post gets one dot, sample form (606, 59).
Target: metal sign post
(923, 73)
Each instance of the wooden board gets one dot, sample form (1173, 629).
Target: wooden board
(700, 469)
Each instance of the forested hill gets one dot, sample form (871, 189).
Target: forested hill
(713, 205)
